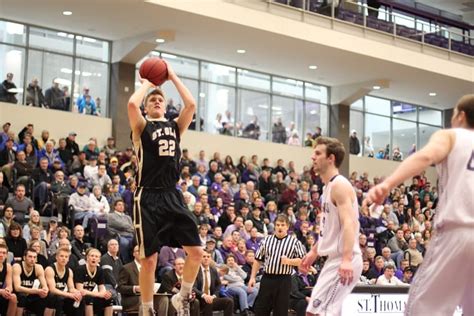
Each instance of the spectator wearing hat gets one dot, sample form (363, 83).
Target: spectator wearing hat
(91, 170)
(407, 275)
(114, 170)
(91, 149)
(85, 97)
(216, 255)
(71, 144)
(82, 204)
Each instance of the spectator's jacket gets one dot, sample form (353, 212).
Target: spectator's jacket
(235, 277)
(40, 175)
(354, 145)
(87, 108)
(299, 289)
(214, 283)
(54, 155)
(121, 224)
(61, 188)
(128, 278)
(6, 96)
(34, 96)
(80, 203)
(102, 181)
(54, 98)
(5, 156)
(111, 267)
(100, 204)
(168, 256)
(78, 249)
(16, 245)
(23, 169)
(72, 146)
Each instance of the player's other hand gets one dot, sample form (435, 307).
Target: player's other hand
(346, 272)
(377, 194)
(308, 261)
(251, 283)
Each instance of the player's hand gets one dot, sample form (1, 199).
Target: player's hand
(346, 272)
(171, 74)
(43, 293)
(208, 298)
(377, 194)
(308, 261)
(145, 81)
(107, 295)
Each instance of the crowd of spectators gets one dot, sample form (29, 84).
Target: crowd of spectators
(55, 97)
(49, 187)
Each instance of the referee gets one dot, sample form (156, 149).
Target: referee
(279, 254)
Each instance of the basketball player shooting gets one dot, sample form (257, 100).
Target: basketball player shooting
(446, 276)
(159, 212)
(339, 235)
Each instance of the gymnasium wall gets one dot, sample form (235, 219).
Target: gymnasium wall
(59, 124)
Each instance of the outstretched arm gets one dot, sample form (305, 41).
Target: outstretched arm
(186, 116)
(434, 152)
(135, 117)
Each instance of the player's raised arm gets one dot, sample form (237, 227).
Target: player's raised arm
(437, 149)
(135, 117)
(186, 116)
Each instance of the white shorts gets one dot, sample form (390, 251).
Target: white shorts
(445, 278)
(329, 293)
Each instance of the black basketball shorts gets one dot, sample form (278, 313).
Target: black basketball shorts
(162, 219)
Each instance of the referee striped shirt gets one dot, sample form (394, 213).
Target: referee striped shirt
(273, 248)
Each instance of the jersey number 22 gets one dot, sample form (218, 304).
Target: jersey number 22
(166, 147)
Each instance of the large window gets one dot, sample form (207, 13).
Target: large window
(404, 136)
(55, 57)
(356, 122)
(378, 129)
(246, 103)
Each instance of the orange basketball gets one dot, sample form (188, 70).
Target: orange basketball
(154, 70)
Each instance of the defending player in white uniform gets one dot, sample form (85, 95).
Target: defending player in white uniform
(339, 237)
(446, 276)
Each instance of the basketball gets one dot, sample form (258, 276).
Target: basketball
(154, 70)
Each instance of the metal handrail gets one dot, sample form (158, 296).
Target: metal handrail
(390, 17)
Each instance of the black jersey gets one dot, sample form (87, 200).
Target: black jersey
(27, 280)
(3, 275)
(89, 281)
(158, 154)
(61, 282)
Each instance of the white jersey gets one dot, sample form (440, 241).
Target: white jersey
(330, 242)
(456, 184)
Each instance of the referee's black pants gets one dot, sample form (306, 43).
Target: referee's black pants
(274, 294)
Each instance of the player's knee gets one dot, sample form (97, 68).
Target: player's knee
(13, 299)
(149, 263)
(195, 253)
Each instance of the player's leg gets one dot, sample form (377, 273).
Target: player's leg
(146, 279)
(12, 302)
(439, 282)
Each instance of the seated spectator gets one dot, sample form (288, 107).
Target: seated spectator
(413, 255)
(3, 192)
(397, 245)
(62, 292)
(258, 221)
(254, 241)
(92, 168)
(8, 90)
(301, 287)
(90, 282)
(110, 149)
(171, 284)
(388, 277)
(376, 270)
(237, 225)
(87, 106)
(54, 233)
(167, 258)
(16, 244)
(216, 256)
(228, 247)
(22, 167)
(61, 191)
(73, 263)
(78, 246)
(233, 278)
(34, 94)
(407, 275)
(43, 139)
(43, 179)
(121, 224)
(82, 205)
(207, 288)
(99, 204)
(65, 154)
(35, 220)
(7, 160)
(387, 256)
(101, 178)
(294, 139)
(404, 263)
(111, 264)
(20, 203)
(8, 300)
(6, 221)
(38, 248)
(50, 154)
(30, 284)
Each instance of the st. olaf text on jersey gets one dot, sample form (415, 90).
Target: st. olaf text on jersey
(169, 131)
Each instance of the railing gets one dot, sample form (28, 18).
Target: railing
(382, 20)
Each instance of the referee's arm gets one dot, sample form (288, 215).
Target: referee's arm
(298, 253)
(257, 263)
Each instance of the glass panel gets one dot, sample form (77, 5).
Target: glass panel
(356, 123)
(358, 105)
(55, 41)
(174, 103)
(316, 92)
(404, 110)
(182, 66)
(253, 117)
(12, 60)
(253, 80)
(425, 133)
(92, 48)
(218, 73)
(430, 116)
(404, 137)
(289, 87)
(12, 33)
(314, 118)
(325, 119)
(377, 105)
(219, 108)
(91, 80)
(50, 70)
(284, 120)
(378, 129)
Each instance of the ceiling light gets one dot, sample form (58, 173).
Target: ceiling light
(202, 95)
(160, 40)
(168, 56)
(376, 87)
(67, 12)
(432, 94)
(313, 67)
(241, 51)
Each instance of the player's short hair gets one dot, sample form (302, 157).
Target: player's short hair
(333, 147)
(466, 105)
(4, 246)
(63, 249)
(156, 91)
(91, 250)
